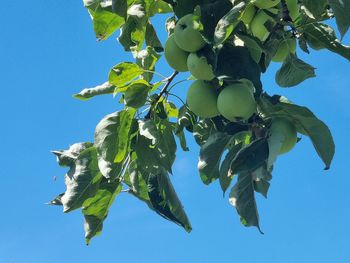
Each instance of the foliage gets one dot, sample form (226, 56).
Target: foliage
(134, 149)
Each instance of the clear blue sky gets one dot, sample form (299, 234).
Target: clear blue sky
(48, 52)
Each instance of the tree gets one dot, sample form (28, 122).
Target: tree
(134, 149)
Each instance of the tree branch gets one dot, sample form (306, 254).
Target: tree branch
(162, 92)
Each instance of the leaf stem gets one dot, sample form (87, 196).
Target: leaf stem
(162, 92)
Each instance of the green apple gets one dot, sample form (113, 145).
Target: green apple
(287, 131)
(248, 14)
(265, 4)
(286, 47)
(259, 23)
(187, 34)
(199, 67)
(175, 56)
(293, 9)
(236, 101)
(202, 98)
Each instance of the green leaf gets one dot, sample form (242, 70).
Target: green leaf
(86, 94)
(226, 175)
(253, 46)
(137, 179)
(82, 180)
(165, 200)
(293, 72)
(170, 25)
(120, 7)
(242, 197)
(250, 157)
(324, 36)
(307, 123)
(182, 139)
(152, 39)
(67, 158)
(123, 73)
(211, 14)
(151, 157)
(261, 177)
(148, 129)
(236, 63)
(133, 33)
(147, 60)
(95, 209)
(210, 157)
(186, 119)
(136, 95)
(105, 22)
(316, 7)
(202, 130)
(159, 7)
(112, 141)
(341, 10)
(225, 26)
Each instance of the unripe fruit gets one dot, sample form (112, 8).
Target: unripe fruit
(258, 25)
(237, 101)
(288, 131)
(202, 98)
(175, 56)
(293, 9)
(187, 34)
(286, 47)
(248, 15)
(199, 67)
(265, 4)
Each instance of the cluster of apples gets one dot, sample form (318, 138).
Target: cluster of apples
(234, 102)
(257, 17)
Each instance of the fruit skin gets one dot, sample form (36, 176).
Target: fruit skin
(293, 9)
(237, 101)
(248, 14)
(258, 27)
(286, 47)
(175, 56)
(187, 34)
(264, 4)
(288, 130)
(202, 98)
(199, 67)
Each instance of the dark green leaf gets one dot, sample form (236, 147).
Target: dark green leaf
(186, 119)
(210, 156)
(261, 177)
(152, 39)
(227, 23)
(250, 157)
(341, 10)
(165, 200)
(95, 209)
(225, 171)
(202, 130)
(307, 123)
(136, 95)
(120, 7)
(236, 63)
(324, 36)
(293, 72)
(316, 7)
(242, 197)
(148, 129)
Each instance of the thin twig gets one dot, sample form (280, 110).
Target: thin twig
(162, 92)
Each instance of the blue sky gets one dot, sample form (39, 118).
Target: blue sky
(49, 52)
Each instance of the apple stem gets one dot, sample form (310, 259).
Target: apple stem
(162, 92)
